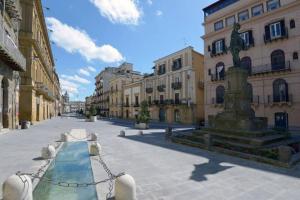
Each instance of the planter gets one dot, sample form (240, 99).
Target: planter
(141, 126)
(93, 118)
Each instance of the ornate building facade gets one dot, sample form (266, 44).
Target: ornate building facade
(271, 33)
(40, 88)
(11, 63)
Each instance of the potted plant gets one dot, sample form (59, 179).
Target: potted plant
(143, 117)
(93, 114)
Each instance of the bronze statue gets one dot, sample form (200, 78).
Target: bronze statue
(236, 45)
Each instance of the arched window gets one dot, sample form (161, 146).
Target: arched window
(220, 71)
(246, 64)
(278, 60)
(280, 91)
(220, 93)
(250, 91)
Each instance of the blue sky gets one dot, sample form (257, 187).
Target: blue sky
(88, 35)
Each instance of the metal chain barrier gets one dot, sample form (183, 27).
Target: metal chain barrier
(41, 170)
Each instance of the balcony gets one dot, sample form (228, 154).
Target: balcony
(149, 90)
(177, 85)
(269, 68)
(161, 88)
(176, 67)
(10, 52)
(280, 100)
(126, 105)
(136, 105)
(42, 89)
(217, 77)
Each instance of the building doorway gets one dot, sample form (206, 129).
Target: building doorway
(162, 115)
(4, 100)
(281, 120)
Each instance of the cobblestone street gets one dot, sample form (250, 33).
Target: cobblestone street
(162, 170)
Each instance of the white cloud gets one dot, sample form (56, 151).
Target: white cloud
(69, 86)
(78, 41)
(92, 69)
(150, 2)
(84, 72)
(159, 13)
(76, 78)
(119, 11)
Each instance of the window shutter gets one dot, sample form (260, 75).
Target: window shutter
(267, 33)
(214, 48)
(251, 39)
(223, 44)
(283, 29)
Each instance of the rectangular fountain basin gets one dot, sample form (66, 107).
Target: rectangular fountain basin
(72, 164)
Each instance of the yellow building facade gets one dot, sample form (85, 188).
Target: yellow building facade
(40, 89)
(132, 100)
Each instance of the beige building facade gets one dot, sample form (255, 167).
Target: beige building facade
(175, 90)
(271, 33)
(122, 77)
(11, 63)
(40, 88)
(132, 100)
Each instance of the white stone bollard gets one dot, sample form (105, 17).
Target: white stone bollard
(17, 188)
(125, 188)
(95, 149)
(122, 133)
(141, 133)
(48, 152)
(94, 137)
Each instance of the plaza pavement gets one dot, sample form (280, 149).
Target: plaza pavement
(162, 170)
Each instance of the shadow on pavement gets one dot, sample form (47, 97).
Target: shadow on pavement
(216, 160)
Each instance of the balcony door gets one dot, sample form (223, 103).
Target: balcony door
(162, 115)
(278, 60)
(4, 103)
(281, 120)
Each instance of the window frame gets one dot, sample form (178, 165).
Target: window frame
(226, 20)
(243, 34)
(244, 11)
(252, 9)
(219, 22)
(268, 5)
(277, 29)
(219, 46)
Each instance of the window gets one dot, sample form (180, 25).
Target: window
(161, 69)
(280, 91)
(177, 79)
(273, 4)
(161, 99)
(243, 16)
(257, 10)
(246, 64)
(176, 116)
(136, 100)
(219, 46)
(219, 25)
(295, 56)
(149, 100)
(292, 24)
(220, 71)
(220, 93)
(127, 101)
(230, 20)
(281, 120)
(177, 98)
(275, 30)
(278, 60)
(246, 39)
(177, 64)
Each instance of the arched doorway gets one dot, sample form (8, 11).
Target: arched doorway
(4, 100)
(162, 115)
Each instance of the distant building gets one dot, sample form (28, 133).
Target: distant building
(88, 103)
(40, 87)
(271, 33)
(132, 99)
(77, 106)
(123, 76)
(66, 103)
(11, 63)
(175, 91)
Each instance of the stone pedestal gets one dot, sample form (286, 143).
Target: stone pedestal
(238, 113)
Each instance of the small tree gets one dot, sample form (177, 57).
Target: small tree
(93, 111)
(144, 115)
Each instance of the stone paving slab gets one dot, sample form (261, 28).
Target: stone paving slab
(162, 170)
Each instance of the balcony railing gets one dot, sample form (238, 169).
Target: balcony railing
(42, 89)
(177, 85)
(10, 51)
(175, 67)
(280, 99)
(161, 88)
(262, 69)
(149, 90)
(217, 77)
(136, 105)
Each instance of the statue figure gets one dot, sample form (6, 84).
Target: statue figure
(236, 45)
